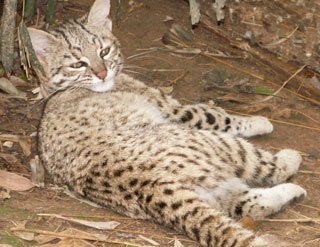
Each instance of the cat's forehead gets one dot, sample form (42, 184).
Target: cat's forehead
(78, 35)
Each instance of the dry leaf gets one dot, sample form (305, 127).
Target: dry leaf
(69, 243)
(14, 182)
(5, 245)
(24, 142)
(8, 144)
(76, 196)
(42, 239)
(166, 90)
(107, 225)
(14, 162)
(249, 223)
(8, 87)
(149, 240)
(29, 236)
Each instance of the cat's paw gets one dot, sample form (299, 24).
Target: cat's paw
(290, 160)
(285, 194)
(256, 125)
(269, 240)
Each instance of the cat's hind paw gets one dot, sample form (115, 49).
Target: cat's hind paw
(255, 125)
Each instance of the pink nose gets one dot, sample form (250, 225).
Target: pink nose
(102, 74)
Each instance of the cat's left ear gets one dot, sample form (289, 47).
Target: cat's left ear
(99, 14)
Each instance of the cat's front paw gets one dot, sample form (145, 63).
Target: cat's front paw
(256, 125)
(269, 240)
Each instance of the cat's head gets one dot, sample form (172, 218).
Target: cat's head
(79, 53)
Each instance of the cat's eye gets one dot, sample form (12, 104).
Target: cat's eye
(79, 65)
(104, 52)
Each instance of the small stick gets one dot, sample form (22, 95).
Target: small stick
(178, 78)
(283, 85)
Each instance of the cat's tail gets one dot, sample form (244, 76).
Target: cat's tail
(183, 210)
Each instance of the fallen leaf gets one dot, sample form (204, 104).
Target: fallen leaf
(8, 144)
(24, 142)
(166, 90)
(14, 182)
(107, 225)
(8, 87)
(28, 236)
(14, 162)
(249, 223)
(42, 239)
(69, 243)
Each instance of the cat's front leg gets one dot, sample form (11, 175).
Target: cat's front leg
(202, 116)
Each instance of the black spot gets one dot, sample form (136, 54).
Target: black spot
(238, 210)
(161, 204)
(198, 125)
(133, 182)
(149, 198)
(159, 104)
(190, 200)
(226, 128)
(239, 172)
(187, 116)
(195, 211)
(122, 188)
(95, 173)
(175, 111)
(234, 243)
(104, 163)
(209, 238)
(210, 118)
(128, 197)
(206, 220)
(227, 121)
(216, 127)
(202, 178)
(118, 173)
(146, 182)
(176, 205)
(107, 191)
(196, 233)
(168, 191)
(106, 184)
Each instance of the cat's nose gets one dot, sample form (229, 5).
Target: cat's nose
(102, 74)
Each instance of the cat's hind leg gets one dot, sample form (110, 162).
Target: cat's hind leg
(237, 199)
(259, 203)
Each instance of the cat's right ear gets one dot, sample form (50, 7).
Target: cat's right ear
(99, 14)
(42, 42)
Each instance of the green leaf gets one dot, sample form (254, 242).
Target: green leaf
(23, 77)
(263, 91)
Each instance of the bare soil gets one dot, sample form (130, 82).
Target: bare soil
(234, 78)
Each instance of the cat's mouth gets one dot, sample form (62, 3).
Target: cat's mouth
(103, 85)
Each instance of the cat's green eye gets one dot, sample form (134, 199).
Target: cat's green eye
(79, 65)
(104, 52)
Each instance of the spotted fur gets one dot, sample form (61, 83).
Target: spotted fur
(142, 153)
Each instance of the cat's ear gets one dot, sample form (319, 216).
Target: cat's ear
(42, 42)
(99, 14)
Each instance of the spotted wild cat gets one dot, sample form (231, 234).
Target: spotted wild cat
(127, 146)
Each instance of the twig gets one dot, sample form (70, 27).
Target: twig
(283, 85)
(308, 206)
(283, 39)
(293, 220)
(309, 172)
(178, 78)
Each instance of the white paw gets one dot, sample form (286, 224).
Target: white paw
(290, 160)
(257, 125)
(285, 194)
(272, 241)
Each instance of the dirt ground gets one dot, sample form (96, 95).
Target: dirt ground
(235, 63)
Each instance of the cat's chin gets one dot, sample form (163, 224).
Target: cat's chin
(103, 85)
